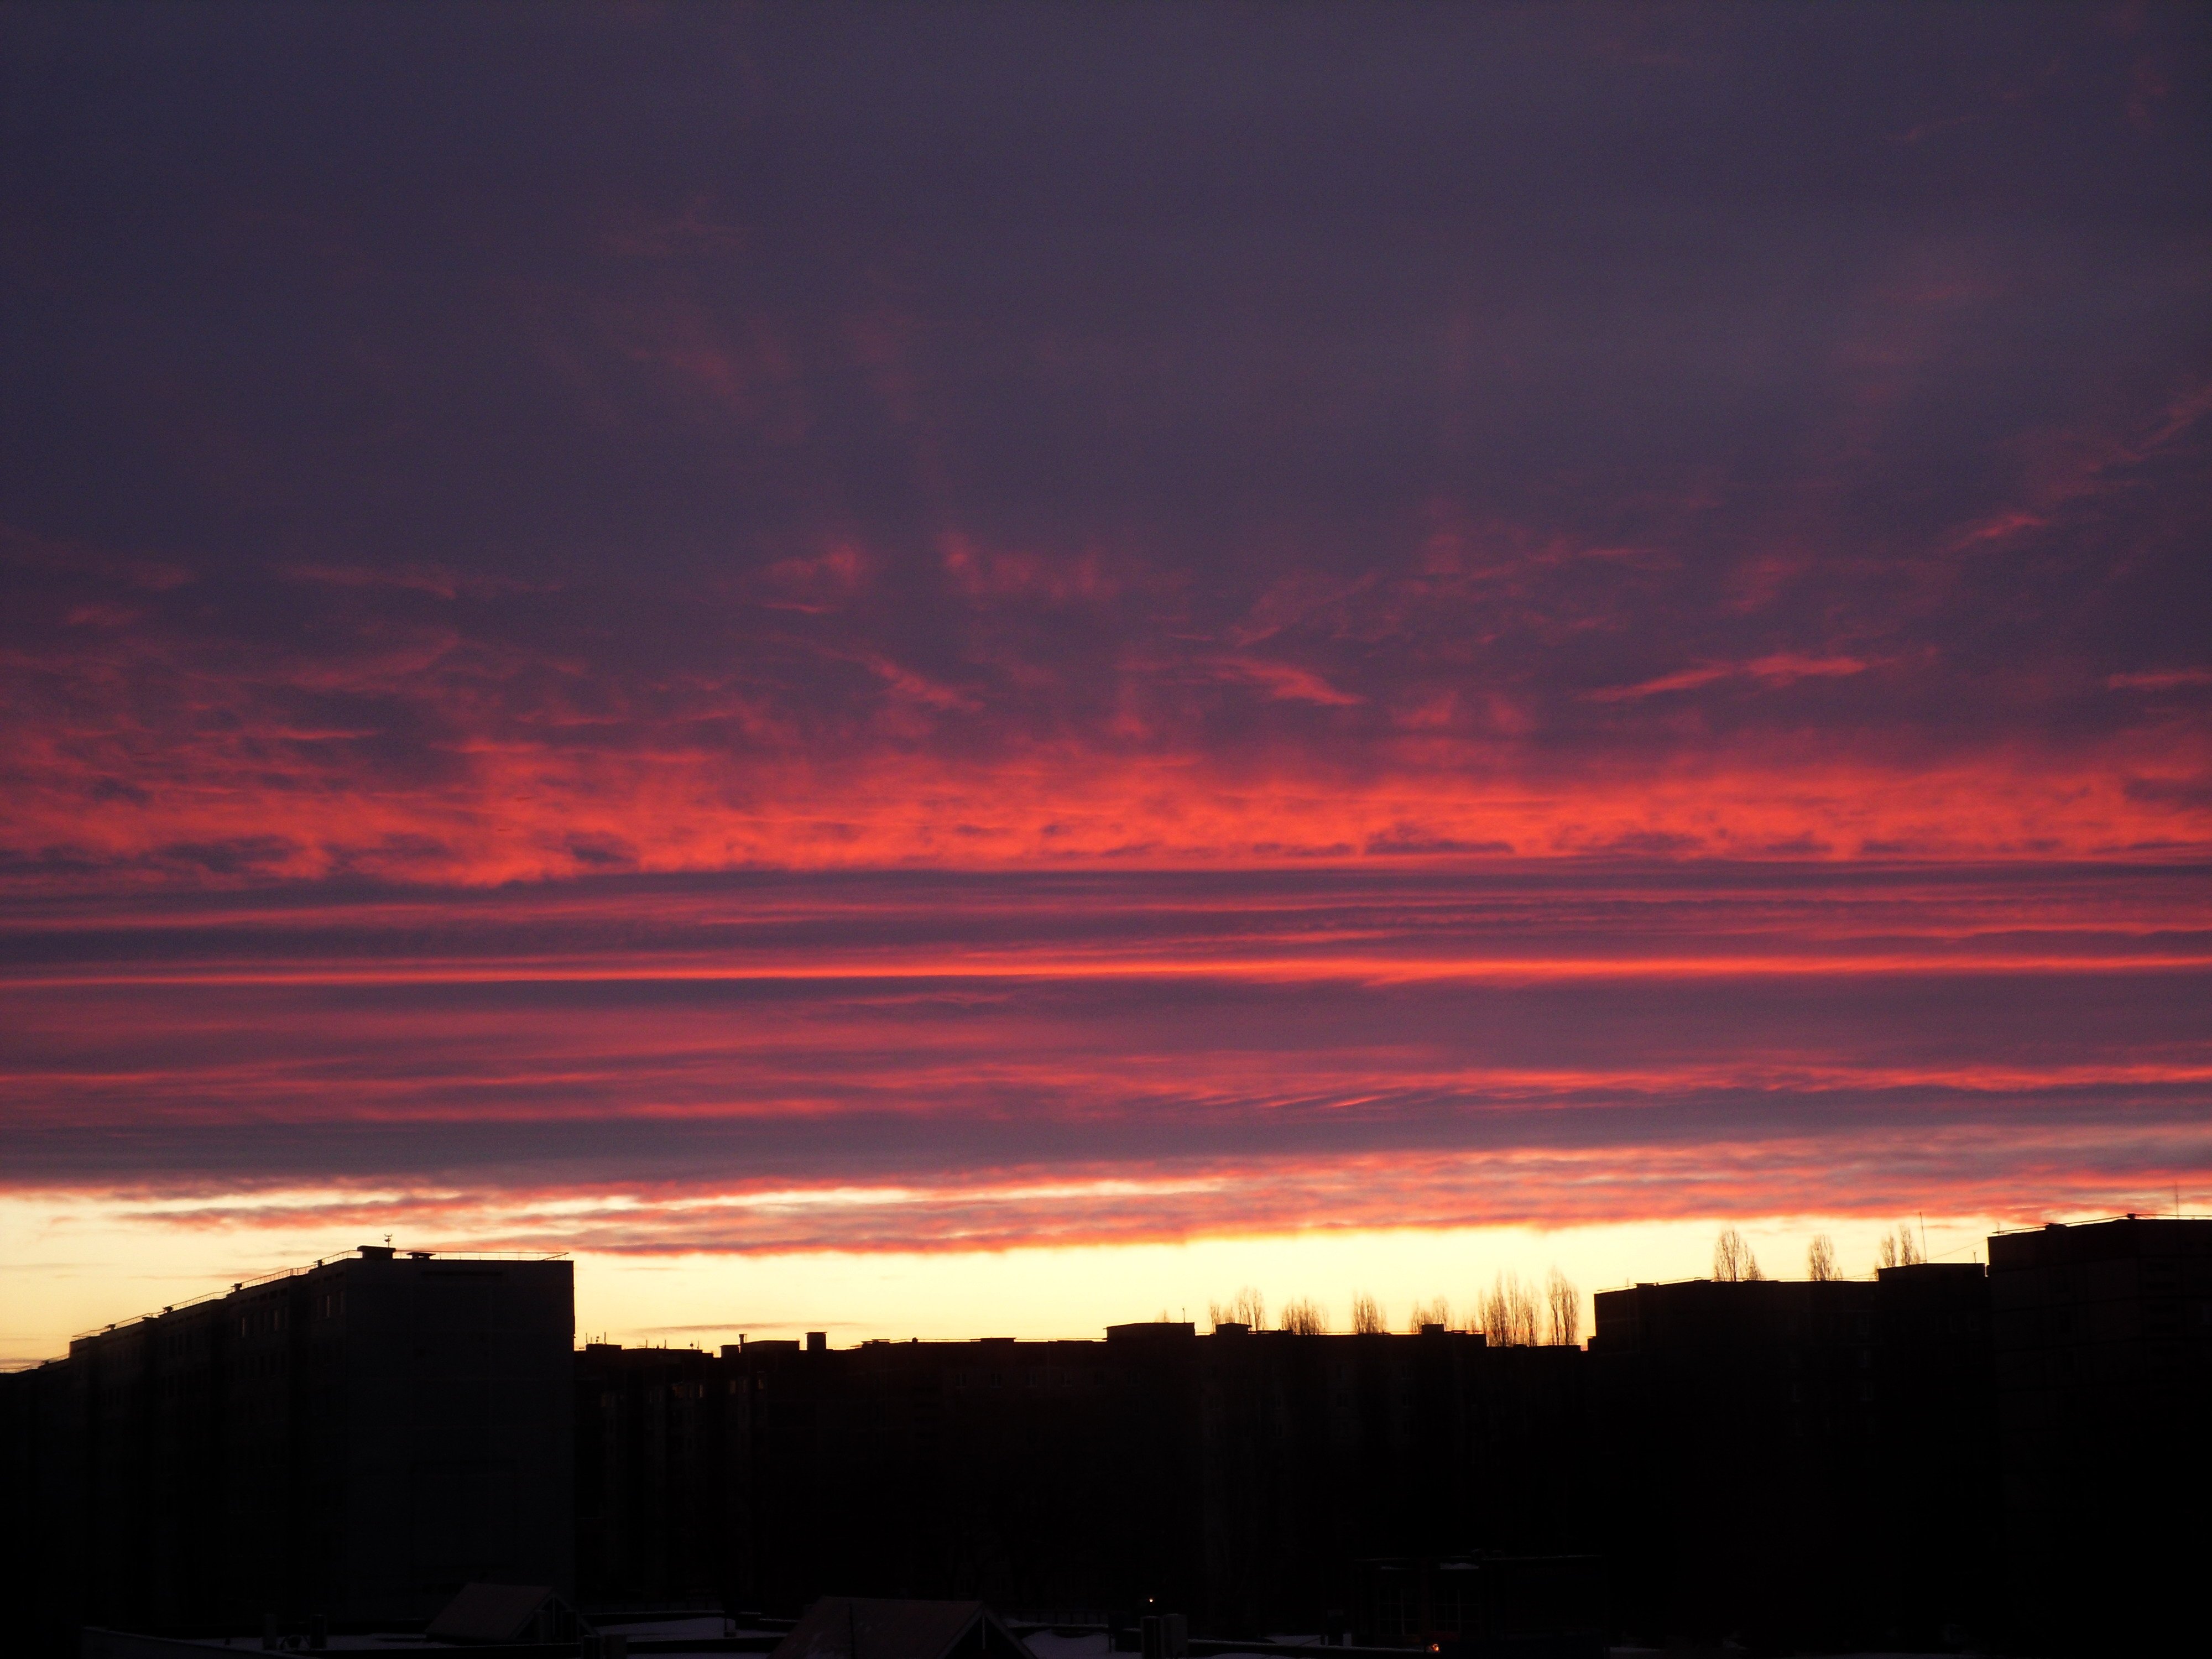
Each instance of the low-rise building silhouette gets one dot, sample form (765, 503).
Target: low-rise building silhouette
(664, 1465)
(1239, 1476)
(860, 1627)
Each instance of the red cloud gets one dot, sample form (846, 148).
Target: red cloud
(1782, 668)
(932, 1062)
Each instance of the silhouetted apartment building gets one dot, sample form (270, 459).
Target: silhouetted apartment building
(1318, 1452)
(1936, 1454)
(355, 1439)
(39, 1502)
(1239, 1477)
(664, 1463)
(1738, 1428)
(1934, 1529)
(966, 1470)
(773, 1472)
(1789, 1461)
(2103, 1355)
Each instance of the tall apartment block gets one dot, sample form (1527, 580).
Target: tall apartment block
(1798, 1462)
(353, 1440)
(2103, 1351)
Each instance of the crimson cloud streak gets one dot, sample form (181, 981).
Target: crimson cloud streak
(977, 1062)
(849, 627)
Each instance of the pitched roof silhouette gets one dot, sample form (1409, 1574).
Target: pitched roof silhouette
(860, 1627)
(489, 1612)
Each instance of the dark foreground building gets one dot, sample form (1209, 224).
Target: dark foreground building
(2103, 1406)
(1798, 1463)
(852, 1627)
(1939, 1455)
(354, 1440)
(1737, 1423)
(1241, 1478)
(664, 1475)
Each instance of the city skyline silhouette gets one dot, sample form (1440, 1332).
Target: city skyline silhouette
(1321, 672)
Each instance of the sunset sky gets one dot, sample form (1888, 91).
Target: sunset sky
(975, 671)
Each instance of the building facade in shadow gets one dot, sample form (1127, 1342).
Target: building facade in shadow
(1241, 1477)
(1796, 1462)
(2103, 1360)
(1939, 1455)
(353, 1440)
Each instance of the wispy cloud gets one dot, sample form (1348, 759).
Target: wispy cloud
(940, 1062)
(1780, 669)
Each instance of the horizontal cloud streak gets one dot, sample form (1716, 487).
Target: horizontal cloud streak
(925, 1061)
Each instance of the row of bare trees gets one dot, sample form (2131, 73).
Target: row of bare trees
(1519, 1316)
(1247, 1307)
(1900, 1248)
(1734, 1264)
(1511, 1314)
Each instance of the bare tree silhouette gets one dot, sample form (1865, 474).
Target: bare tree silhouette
(1563, 1306)
(1247, 1307)
(1900, 1248)
(1509, 1313)
(1367, 1316)
(1437, 1312)
(1304, 1318)
(1820, 1261)
(1733, 1262)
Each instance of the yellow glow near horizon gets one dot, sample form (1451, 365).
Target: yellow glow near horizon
(66, 1267)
